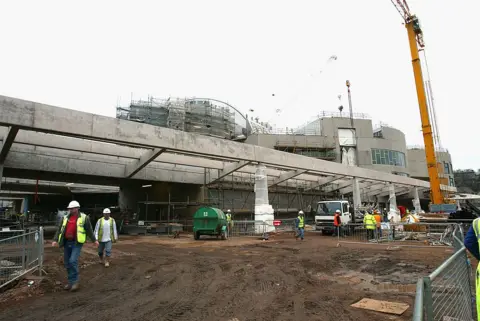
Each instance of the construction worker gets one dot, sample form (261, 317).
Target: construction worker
(370, 224)
(471, 243)
(378, 220)
(71, 234)
(106, 233)
(337, 222)
(229, 222)
(300, 224)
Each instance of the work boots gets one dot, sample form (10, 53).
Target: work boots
(107, 264)
(101, 261)
(75, 287)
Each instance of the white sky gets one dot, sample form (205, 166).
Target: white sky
(90, 55)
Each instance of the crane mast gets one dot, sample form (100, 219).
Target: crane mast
(415, 38)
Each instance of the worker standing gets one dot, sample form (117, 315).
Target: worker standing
(471, 243)
(378, 220)
(106, 233)
(337, 222)
(370, 224)
(71, 234)
(300, 224)
(229, 222)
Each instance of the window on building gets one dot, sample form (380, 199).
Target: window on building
(451, 181)
(446, 167)
(388, 157)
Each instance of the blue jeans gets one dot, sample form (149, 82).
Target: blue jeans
(71, 253)
(338, 231)
(301, 233)
(107, 246)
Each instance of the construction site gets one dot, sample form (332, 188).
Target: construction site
(222, 216)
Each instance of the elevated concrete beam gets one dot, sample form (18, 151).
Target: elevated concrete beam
(398, 192)
(324, 181)
(7, 143)
(229, 169)
(362, 185)
(82, 166)
(145, 159)
(374, 191)
(336, 187)
(49, 119)
(286, 176)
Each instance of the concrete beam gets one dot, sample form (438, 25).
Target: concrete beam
(145, 159)
(31, 188)
(324, 181)
(398, 192)
(95, 168)
(336, 187)
(362, 185)
(286, 176)
(229, 169)
(49, 119)
(7, 143)
(374, 191)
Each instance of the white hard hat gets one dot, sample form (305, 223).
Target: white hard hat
(106, 211)
(338, 211)
(228, 211)
(301, 212)
(73, 204)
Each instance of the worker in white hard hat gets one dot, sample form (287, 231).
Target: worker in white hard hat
(106, 233)
(229, 222)
(300, 224)
(71, 234)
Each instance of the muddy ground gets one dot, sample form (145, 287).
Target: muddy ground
(240, 279)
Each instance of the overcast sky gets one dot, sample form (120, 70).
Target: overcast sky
(94, 54)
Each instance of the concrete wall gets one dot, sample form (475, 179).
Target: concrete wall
(417, 164)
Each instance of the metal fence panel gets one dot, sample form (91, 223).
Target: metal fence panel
(447, 293)
(248, 228)
(19, 255)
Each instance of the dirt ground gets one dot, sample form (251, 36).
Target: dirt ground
(157, 278)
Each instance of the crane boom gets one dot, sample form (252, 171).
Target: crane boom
(415, 38)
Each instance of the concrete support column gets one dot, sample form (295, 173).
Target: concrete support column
(416, 201)
(357, 200)
(1, 176)
(393, 213)
(128, 197)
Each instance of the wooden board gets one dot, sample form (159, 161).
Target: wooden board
(381, 306)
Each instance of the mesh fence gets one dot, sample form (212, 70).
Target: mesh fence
(417, 234)
(447, 293)
(247, 228)
(19, 255)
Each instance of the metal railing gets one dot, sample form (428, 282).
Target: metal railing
(400, 234)
(447, 293)
(20, 254)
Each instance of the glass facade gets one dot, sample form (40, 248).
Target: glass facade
(388, 157)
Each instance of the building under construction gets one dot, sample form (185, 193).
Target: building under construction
(197, 115)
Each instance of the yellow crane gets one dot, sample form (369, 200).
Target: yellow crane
(415, 38)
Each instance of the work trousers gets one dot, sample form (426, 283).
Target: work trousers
(105, 246)
(301, 233)
(71, 253)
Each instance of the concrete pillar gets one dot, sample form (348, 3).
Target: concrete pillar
(128, 197)
(416, 201)
(357, 200)
(393, 213)
(1, 176)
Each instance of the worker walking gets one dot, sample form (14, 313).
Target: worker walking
(106, 233)
(71, 234)
(300, 224)
(370, 224)
(337, 222)
(229, 222)
(471, 243)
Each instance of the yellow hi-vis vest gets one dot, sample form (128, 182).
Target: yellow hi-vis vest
(370, 222)
(100, 229)
(301, 222)
(476, 228)
(229, 217)
(81, 234)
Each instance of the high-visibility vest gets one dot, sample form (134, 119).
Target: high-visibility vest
(301, 222)
(369, 222)
(229, 217)
(476, 228)
(100, 229)
(81, 234)
(337, 221)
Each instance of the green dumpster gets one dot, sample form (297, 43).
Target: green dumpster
(209, 221)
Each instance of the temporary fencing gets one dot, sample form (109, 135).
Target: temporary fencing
(401, 234)
(248, 228)
(20, 254)
(447, 293)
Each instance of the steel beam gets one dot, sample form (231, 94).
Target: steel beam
(145, 159)
(49, 119)
(7, 143)
(286, 176)
(229, 169)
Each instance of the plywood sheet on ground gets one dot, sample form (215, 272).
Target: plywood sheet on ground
(381, 306)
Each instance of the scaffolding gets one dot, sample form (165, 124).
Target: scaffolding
(198, 115)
